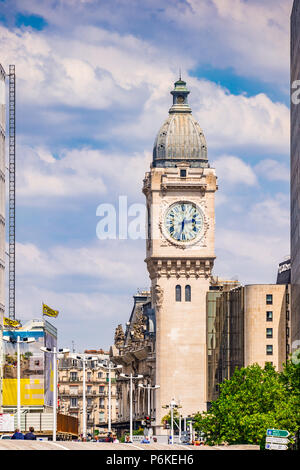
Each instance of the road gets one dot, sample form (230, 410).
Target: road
(68, 445)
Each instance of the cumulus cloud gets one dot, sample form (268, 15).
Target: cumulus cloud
(232, 170)
(110, 261)
(78, 173)
(272, 170)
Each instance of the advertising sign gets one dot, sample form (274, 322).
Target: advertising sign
(6, 422)
(32, 369)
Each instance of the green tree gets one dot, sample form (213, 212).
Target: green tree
(253, 400)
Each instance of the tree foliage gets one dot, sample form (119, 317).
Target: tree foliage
(253, 400)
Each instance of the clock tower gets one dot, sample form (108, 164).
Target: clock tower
(180, 190)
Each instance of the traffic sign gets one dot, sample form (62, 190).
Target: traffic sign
(278, 432)
(277, 440)
(276, 447)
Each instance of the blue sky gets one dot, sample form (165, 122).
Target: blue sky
(93, 84)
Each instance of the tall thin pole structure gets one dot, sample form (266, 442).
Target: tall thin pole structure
(12, 189)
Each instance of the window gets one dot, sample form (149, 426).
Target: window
(269, 299)
(73, 403)
(287, 332)
(89, 389)
(101, 403)
(288, 349)
(178, 293)
(183, 173)
(101, 389)
(89, 376)
(269, 332)
(287, 298)
(269, 316)
(73, 376)
(101, 416)
(100, 374)
(269, 349)
(287, 315)
(188, 293)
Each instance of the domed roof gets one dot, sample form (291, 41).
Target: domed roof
(180, 138)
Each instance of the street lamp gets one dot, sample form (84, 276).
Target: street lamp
(19, 340)
(172, 405)
(84, 359)
(110, 366)
(54, 352)
(149, 388)
(131, 377)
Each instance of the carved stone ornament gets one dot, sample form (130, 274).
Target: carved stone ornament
(159, 296)
(138, 329)
(119, 336)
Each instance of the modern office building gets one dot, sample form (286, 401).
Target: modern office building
(295, 175)
(247, 325)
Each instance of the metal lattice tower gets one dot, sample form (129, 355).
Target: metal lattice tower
(12, 189)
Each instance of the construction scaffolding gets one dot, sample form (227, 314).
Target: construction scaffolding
(12, 189)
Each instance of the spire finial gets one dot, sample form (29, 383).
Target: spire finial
(179, 73)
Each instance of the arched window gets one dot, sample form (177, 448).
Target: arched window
(178, 293)
(187, 293)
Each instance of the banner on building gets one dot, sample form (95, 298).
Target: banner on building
(49, 311)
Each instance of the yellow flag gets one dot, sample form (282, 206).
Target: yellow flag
(49, 311)
(11, 323)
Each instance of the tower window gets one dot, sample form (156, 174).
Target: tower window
(269, 316)
(188, 293)
(183, 173)
(269, 299)
(269, 333)
(178, 293)
(269, 349)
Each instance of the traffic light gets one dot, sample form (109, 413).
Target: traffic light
(148, 421)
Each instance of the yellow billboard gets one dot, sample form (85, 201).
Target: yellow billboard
(32, 391)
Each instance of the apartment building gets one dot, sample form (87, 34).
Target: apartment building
(70, 391)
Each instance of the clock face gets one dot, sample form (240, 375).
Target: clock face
(180, 99)
(184, 221)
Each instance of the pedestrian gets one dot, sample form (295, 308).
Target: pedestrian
(30, 436)
(17, 434)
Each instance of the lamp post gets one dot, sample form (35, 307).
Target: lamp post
(84, 359)
(110, 366)
(131, 377)
(172, 405)
(149, 387)
(18, 341)
(54, 352)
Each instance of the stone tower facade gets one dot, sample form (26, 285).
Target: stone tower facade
(180, 191)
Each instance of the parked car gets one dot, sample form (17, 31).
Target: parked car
(6, 436)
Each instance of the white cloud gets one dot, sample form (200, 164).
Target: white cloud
(232, 170)
(272, 170)
(77, 174)
(251, 256)
(250, 36)
(272, 213)
(112, 261)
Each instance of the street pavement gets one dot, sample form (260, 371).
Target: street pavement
(68, 445)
